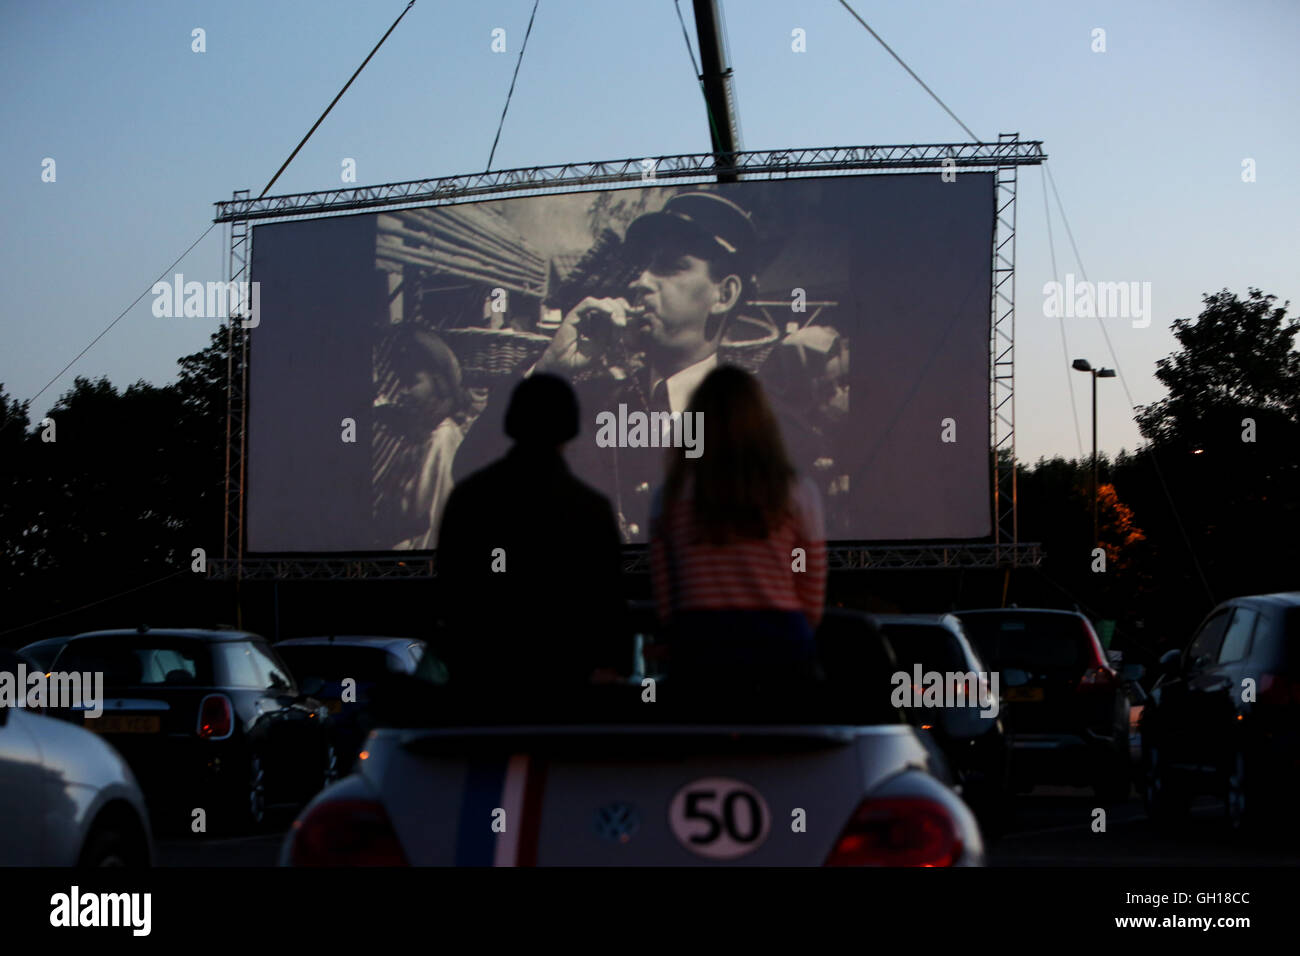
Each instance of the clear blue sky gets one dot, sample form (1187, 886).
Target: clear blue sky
(1146, 143)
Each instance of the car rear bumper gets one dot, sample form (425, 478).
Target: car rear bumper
(1062, 757)
(175, 768)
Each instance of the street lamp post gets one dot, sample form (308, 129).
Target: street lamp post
(1082, 365)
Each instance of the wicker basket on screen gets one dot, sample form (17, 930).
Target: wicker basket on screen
(747, 342)
(488, 355)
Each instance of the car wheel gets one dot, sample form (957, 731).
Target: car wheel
(109, 847)
(331, 765)
(1239, 809)
(1164, 804)
(255, 792)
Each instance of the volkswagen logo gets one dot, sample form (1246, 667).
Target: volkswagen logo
(617, 822)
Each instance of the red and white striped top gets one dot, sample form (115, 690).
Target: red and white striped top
(690, 575)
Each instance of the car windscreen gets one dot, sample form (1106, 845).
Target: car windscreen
(140, 662)
(334, 663)
(1034, 642)
(933, 647)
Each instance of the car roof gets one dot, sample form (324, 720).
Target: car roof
(350, 640)
(44, 642)
(192, 633)
(933, 620)
(948, 622)
(1019, 610)
(1280, 599)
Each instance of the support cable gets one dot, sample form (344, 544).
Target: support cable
(1060, 319)
(335, 100)
(909, 70)
(164, 273)
(511, 92)
(1119, 371)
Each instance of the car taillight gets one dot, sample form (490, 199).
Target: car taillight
(216, 717)
(898, 831)
(346, 833)
(1278, 690)
(1099, 676)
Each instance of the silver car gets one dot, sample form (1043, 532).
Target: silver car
(66, 797)
(656, 791)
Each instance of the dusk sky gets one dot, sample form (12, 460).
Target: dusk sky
(1146, 141)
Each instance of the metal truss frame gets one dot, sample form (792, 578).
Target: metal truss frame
(1002, 361)
(236, 391)
(903, 557)
(1006, 152)
(1003, 158)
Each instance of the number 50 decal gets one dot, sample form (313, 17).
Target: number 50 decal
(719, 818)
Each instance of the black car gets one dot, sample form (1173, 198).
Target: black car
(972, 738)
(328, 663)
(1070, 709)
(1224, 714)
(207, 719)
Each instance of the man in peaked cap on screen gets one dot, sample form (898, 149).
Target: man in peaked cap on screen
(646, 351)
(693, 266)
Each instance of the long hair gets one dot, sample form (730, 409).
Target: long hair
(742, 481)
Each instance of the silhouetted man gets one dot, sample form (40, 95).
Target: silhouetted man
(529, 563)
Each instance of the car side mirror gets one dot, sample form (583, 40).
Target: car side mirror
(1014, 677)
(1169, 661)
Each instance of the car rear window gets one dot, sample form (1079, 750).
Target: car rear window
(931, 646)
(330, 664)
(1029, 641)
(140, 662)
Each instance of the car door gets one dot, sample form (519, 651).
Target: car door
(1176, 715)
(1220, 699)
(1205, 694)
(23, 781)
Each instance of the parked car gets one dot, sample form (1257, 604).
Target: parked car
(829, 774)
(973, 738)
(66, 797)
(42, 653)
(1224, 714)
(1070, 718)
(207, 719)
(325, 663)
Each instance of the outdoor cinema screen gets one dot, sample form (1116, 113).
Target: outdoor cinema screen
(388, 344)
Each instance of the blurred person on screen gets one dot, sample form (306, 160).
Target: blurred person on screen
(421, 415)
(737, 548)
(529, 563)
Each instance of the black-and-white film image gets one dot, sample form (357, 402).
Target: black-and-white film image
(634, 295)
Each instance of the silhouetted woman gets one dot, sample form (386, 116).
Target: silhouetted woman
(738, 551)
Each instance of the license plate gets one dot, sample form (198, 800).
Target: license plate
(120, 724)
(1025, 693)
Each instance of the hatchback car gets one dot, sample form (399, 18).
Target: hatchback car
(969, 729)
(1070, 716)
(627, 775)
(325, 664)
(1224, 713)
(207, 719)
(66, 797)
